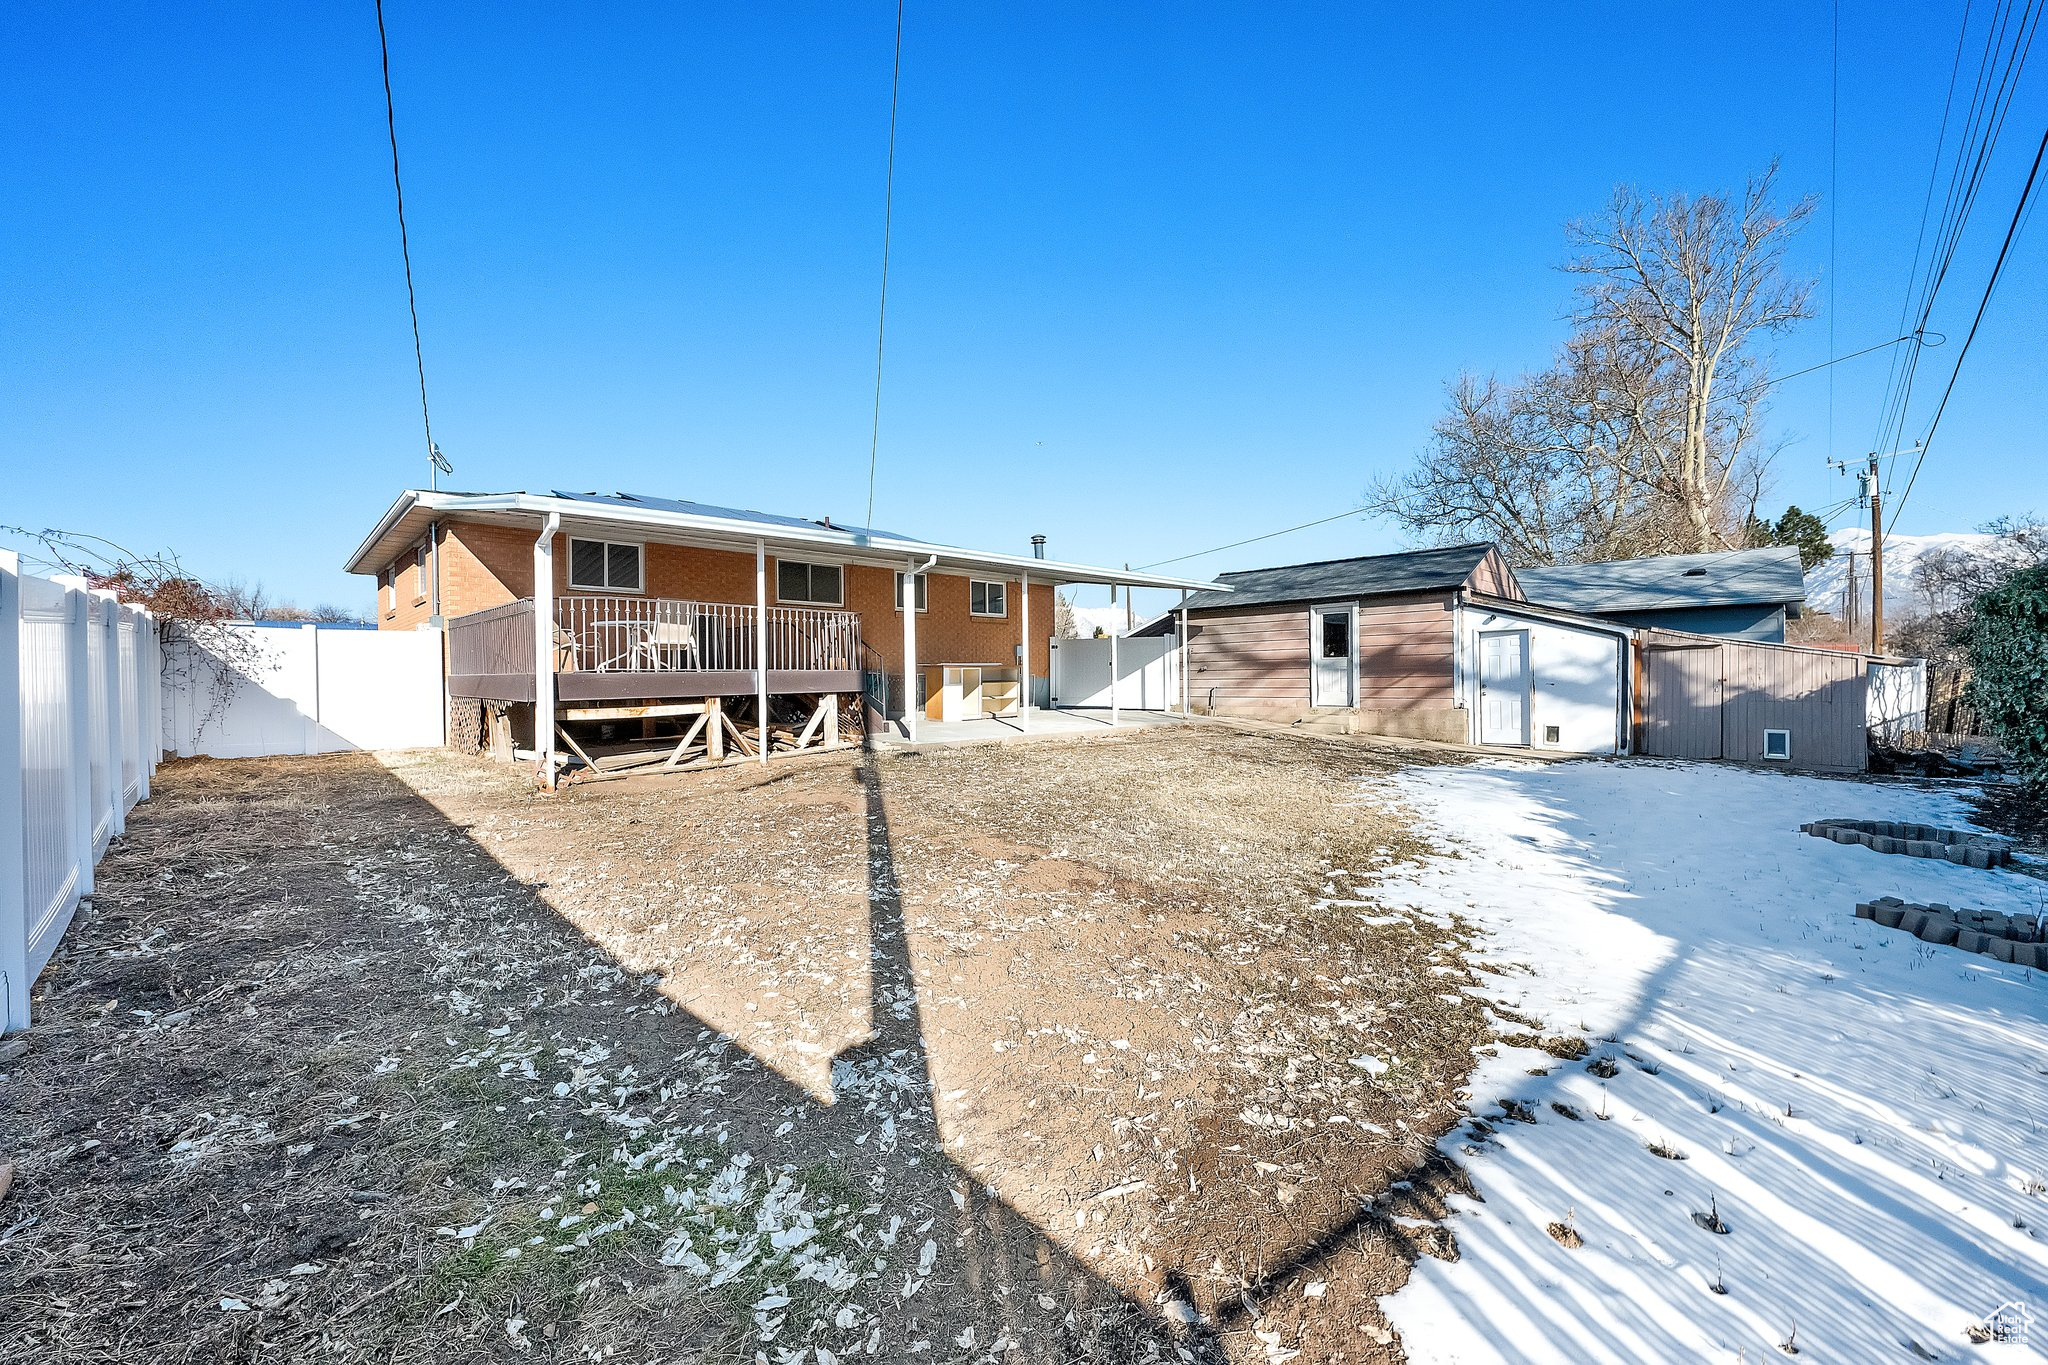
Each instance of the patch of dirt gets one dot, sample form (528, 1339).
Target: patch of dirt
(1094, 1051)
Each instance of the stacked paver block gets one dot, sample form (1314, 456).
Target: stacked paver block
(2008, 938)
(1916, 841)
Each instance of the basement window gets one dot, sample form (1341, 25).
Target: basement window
(608, 566)
(987, 599)
(815, 585)
(1778, 745)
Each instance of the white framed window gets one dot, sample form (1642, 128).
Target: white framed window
(1778, 745)
(387, 588)
(923, 603)
(419, 573)
(606, 565)
(986, 598)
(815, 585)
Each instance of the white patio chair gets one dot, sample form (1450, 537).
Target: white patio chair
(665, 645)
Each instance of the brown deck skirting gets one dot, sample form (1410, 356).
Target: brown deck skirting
(707, 683)
(492, 686)
(648, 684)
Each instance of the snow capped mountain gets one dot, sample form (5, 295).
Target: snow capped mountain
(1902, 596)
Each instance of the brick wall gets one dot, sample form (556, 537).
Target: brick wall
(486, 565)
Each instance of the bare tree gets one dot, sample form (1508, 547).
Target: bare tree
(1644, 435)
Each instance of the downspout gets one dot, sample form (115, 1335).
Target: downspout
(544, 647)
(433, 573)
(909, 605)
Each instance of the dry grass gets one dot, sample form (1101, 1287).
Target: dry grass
(1114, 1026)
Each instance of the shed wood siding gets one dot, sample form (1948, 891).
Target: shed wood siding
(1681, 700)
(1407, 654)
(1715, 699)
(1818, 695)
(1251, 660)
(1255, 660)
(1494, 578)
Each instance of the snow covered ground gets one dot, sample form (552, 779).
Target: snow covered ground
(1864, 1112)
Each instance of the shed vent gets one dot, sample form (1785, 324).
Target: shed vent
(1778, 744)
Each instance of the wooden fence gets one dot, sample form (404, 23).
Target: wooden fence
(1702, 696)
(80, 716)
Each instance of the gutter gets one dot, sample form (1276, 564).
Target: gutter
(1049, 570)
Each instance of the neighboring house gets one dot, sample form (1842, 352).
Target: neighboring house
(653, 609)
(1746, 594)
(1451, 644)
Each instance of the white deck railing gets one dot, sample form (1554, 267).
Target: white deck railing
(617, 634)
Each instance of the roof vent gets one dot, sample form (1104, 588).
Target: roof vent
(1038, 547)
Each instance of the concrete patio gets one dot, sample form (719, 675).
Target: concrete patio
(1043, 724)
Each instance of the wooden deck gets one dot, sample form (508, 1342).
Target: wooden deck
(619, 649)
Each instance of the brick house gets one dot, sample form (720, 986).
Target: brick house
(712, 621)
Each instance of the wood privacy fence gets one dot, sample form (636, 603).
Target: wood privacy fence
(80, 716)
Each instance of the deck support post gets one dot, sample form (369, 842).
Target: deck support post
(761, 639)
(1113, 713)
(1184, 651)
(907, 603)
(544, 647)
(1024, 700)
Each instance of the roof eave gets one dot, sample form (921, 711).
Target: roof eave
(1053, 571)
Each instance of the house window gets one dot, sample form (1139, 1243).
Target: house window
(419, 572)
(604, 564)
(987, 599)
(818, 585)
(388, 589)
(922, 604)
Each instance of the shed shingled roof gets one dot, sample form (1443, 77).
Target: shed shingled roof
(1727, 578)
(1430, 570)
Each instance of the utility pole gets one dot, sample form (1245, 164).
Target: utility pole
(1871, 495)
(1870, 486)
(1849, 598)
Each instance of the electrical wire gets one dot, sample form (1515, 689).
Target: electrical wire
(1320, 521)
(2019, 214)
(888, 224)
(1991, 97)
(419, 355)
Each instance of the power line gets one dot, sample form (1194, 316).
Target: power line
(434, 461)
(1991, 97)
(2012, 230)
(1320, 521)
(888, 223)
(1834, 193)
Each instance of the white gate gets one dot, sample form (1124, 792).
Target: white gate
(79, 679)
(1147, 673)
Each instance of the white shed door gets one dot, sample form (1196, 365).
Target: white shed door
(1333, 644)
(1504, 687)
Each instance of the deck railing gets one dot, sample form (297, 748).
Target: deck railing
(614, 634)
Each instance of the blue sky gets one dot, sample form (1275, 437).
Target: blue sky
(1164, 276)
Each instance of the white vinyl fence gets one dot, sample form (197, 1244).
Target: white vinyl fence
(1147, 672)
(253, 690)
(80, 677)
